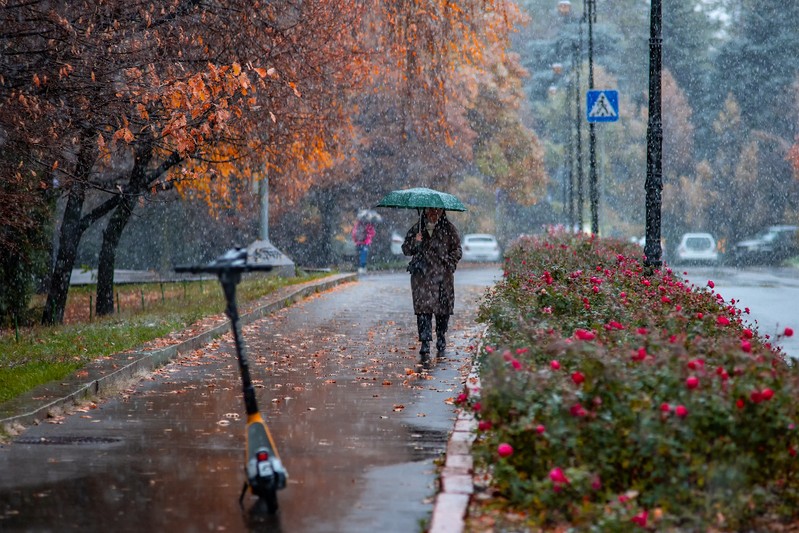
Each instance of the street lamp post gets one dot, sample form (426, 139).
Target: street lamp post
(589, 9)
(575, 147)
(654, 142)
(578, 121)
(570, 152)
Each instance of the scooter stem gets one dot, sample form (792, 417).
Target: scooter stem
(229, 279)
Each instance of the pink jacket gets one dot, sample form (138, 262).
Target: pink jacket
(370, 232)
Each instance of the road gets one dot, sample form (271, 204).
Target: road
(771, 294)
(357, 424)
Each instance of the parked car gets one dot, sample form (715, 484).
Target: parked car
(480, 247)
(396, 243)
(696, 248)
(772, 245)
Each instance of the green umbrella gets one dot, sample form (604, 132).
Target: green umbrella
(420, 198)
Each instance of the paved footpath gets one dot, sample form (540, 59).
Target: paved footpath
(361, 428)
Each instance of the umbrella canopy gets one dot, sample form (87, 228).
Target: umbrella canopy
(420, 198)
(369, 215)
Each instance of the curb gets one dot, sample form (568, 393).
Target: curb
(456, 484)
(108, 375)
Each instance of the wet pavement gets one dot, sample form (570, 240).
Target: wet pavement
(358, 424)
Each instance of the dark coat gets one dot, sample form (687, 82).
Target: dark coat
(434, 289)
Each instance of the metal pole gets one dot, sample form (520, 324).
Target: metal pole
(263, 196)
(654, 142)
(570, 150)
(579, 121)
(592, 179)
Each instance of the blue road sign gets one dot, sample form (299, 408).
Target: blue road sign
(602, 105)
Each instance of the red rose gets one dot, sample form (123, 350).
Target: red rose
(505, 450)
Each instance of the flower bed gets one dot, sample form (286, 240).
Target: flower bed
(613, 397)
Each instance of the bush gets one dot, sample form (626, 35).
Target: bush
(628, 395)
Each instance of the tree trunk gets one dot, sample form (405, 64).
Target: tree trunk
(105, 267)
(329, 212)
(119, 220)
(72, 228)
(68, 241)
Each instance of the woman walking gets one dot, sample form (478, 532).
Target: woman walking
(435, 246)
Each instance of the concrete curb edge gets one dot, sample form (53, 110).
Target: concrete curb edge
(456, 483)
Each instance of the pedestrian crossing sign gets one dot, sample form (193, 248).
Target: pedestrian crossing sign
(602, 105)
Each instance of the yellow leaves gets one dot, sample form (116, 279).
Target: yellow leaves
(294, 88)
(236, 69)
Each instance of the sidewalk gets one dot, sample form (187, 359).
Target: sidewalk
(452, 487)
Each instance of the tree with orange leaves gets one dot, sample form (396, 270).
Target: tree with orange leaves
(187, 95)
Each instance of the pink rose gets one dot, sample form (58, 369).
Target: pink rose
(557, 476)
(505, 450)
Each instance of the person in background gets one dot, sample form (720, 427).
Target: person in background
(362, 233)
(435, 246)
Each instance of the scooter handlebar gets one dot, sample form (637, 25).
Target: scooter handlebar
(234, 260)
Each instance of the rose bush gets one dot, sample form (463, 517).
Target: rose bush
(630, 398)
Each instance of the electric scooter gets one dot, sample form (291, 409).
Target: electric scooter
(263, 467)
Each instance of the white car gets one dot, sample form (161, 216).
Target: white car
(396, 243)
(480, 247)
(697, 248)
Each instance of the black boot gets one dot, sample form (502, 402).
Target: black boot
(424, 324)
(441, 333)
